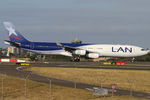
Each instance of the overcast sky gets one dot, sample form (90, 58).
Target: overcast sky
(92, 21)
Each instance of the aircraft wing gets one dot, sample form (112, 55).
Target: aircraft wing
(67, 48)
(71, 49)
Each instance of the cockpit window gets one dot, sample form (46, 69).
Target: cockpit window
(144, 49)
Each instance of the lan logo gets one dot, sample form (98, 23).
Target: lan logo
(120, 49)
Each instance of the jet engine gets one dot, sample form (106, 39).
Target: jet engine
(80, 52)
(93, 55)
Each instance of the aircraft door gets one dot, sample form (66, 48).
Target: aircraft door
(32, 46)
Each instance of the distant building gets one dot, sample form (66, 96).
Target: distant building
(29, 53)
(3, 52)
(12, 50)
(16, 51)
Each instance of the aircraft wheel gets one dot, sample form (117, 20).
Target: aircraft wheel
(75, 59)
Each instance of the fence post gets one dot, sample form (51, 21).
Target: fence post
(25, 86)
(2, 97)
(75, 86)
(50, 89)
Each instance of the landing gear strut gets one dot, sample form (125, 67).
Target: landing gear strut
(133, 59)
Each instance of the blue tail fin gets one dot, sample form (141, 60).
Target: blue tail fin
(14, 35)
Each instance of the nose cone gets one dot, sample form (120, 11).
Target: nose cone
(148, 51)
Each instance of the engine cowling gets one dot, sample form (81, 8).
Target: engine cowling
(80, 52)
(93, 55)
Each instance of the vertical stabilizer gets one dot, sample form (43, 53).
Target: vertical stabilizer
(14, 35)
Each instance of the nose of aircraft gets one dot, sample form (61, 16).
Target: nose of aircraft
(145, 51)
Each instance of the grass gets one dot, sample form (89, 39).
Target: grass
(14, 90)
(126, 79)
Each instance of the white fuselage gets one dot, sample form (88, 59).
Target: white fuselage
(116, 50)
(105, 50)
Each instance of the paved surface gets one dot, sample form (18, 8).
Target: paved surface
(12, 71)
(97, 65)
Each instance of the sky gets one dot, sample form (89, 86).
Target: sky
(92, 21)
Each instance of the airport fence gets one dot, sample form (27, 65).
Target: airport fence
(23, 89)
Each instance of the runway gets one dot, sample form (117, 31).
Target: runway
(12, 71)
(97, 65)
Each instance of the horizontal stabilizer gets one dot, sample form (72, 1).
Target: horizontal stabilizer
(15, 44)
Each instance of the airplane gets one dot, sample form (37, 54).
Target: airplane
(76, 51)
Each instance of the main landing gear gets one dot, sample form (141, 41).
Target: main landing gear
(75, 59)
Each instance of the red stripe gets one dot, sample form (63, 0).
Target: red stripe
(13, 60)
(15, 38)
